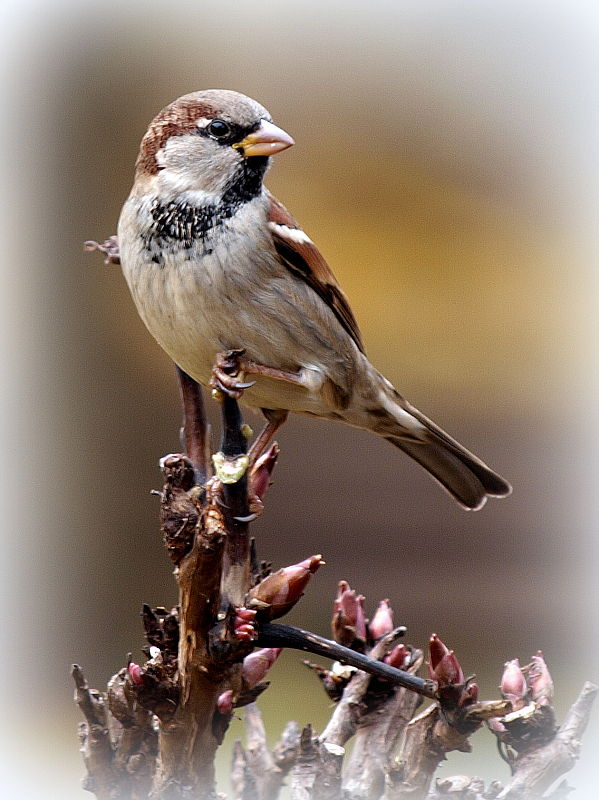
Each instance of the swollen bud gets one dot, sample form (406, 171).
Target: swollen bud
(256, 665)
(348, 621)
(436, 650)
(448, 671)
(399, 657)
(278, 593)
(443, 666)
(494, 724)
(136, 673)
(261, 474)
(382, 622)
(224, 703)
(513, 684)
(539, 680)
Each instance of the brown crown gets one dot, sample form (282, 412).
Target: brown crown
(176, 119)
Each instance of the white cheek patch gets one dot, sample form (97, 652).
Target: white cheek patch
(172, 182)
(293, 234)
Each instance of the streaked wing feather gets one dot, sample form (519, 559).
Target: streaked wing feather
(301, 257)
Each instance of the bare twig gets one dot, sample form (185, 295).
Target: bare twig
(419, 757)
(235, 507)
(118, 741)
(327, 781)
(195, 433)
(95, 738)
(259, 757)
(255, 769)
(304, 771)
(136, 741)
(376, 738)
(276, 635)
(243, 780)
(427, 739)
(285, 754)
(187, 742)
(463, 786)
(213, 577)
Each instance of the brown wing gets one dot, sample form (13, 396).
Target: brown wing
(301, 257)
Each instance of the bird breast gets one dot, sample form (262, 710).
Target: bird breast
(227, 289)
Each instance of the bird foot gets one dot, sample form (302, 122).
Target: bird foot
(231, 367)
(228, 374)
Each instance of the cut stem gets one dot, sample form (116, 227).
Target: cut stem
(276, 635)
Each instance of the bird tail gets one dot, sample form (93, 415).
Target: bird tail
(468, 479)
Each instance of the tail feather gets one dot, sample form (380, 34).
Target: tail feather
(468, 479)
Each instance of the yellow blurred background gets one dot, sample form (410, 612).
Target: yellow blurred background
(446, 165)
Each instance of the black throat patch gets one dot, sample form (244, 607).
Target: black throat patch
(185, 223)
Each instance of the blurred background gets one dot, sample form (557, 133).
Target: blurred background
(446, 164)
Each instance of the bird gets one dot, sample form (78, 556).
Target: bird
(216, 264)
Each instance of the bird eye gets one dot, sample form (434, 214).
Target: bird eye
(218, 128)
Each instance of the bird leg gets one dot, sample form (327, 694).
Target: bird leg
(274, 420)
(228, 377)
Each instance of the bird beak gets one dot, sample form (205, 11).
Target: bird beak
(266, 141)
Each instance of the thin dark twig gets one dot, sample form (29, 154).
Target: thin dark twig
(234, 442)
(276, 635)
(235, 506)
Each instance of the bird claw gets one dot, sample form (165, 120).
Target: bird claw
(227, 375)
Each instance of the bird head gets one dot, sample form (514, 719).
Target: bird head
(203, 141)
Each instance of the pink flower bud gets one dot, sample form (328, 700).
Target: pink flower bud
(513, 684)
(399, 657)
(539, 680)
(382, 622)
(243, 624)
(279, 592)
(260, 476)
(437, 650)
(496, 726)
(348, 621)
(448, 671)
(443, 666)
(224, 704)
(256, 665)
(245, 614)
(245, 632)
(136, 673)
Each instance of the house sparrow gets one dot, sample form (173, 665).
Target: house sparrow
(215, 263)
